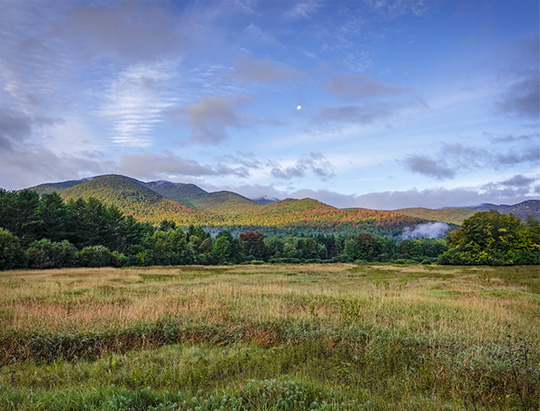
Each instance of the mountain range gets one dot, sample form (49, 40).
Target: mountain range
(189, 204)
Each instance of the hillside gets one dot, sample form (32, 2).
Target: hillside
(457, 215)
(446, 215)
(312, 215)
(49, 188)
(188, 204)
(134, 199)
(183, 193)
(521, 210)
(193, 196)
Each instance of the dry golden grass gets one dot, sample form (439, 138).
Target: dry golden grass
(425, 299)
(414, 336)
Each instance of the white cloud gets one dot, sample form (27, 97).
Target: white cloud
(303, 10)
(135, 101)
(147, 165)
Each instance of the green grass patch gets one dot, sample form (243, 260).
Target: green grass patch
(271, 337)
(157, 276)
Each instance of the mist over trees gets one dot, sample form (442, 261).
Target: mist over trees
(46, 232)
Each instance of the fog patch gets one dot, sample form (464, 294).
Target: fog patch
(428, 230)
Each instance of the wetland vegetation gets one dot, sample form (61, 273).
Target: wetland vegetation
(271, 337)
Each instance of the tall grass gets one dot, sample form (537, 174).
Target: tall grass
(345, 336)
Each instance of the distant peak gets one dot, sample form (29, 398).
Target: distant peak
(264, 200)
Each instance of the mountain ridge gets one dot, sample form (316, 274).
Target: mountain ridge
(133, 198)
(187, 203)
(194, 196)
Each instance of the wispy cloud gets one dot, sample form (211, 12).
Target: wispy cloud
(25, 162)
(422, 164)
(210, 118)
(513, 190)
(508, 191)
(115, 31)
(522, 96)
(393, 9)
(247, 70)
(303, 10)
(167, 165)
(453, 159)
(358, 86)
(331, 119)
(135, 101)
(314, 163)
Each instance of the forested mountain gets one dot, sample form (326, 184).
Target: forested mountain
(130, 196)
(521, 210)
(265, 200)
(193, 196)
(187, 204)
(456, 215)
(446, 215)
(49, 232)
(49, 188)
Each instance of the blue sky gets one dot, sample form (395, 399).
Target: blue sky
(403, 103)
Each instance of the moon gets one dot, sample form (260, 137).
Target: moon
(299, 107)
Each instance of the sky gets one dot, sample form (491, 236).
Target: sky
(374, 104)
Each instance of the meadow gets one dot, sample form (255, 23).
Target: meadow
(271, 337)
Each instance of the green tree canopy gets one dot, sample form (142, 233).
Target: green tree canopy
(491, 238)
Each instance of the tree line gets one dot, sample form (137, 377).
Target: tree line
(47, 232)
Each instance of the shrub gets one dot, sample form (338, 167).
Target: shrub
(47, 254)
(96, 256)
(11, 252)
(121, 260)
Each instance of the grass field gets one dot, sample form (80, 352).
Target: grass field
(271, 337)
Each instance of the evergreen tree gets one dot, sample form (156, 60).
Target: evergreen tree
(26, 221)
(54, 217)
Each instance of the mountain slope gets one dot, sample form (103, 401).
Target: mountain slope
(521, 210)
(188, 204)
(146, 203)
(134, 199)
(312, 215)
(446, 215)
(49, 188)
(191, 195)
(265, 200)
(183, 193)
(458, 215)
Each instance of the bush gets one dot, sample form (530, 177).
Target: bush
(11, 252)
(47, 254)
(146, 258)
(121, 260)
(96, 256)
